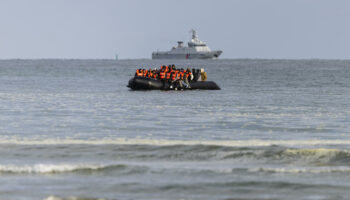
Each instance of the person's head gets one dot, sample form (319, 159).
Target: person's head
(188, 69)
(202, 70)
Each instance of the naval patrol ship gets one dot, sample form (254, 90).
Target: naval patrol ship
(196, 49)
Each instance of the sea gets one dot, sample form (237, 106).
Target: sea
(277, 129)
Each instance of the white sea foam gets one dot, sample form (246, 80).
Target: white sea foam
(164, 142)
(47, 168)
(298, 170)
(70, 198)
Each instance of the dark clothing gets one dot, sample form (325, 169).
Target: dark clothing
(196, 75)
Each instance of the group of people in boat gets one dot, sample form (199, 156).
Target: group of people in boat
(177, 78)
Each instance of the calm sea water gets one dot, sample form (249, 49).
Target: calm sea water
(278, 129)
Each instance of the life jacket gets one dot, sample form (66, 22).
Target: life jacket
(182, 73)
(145, 72)
(139, 72)
(166, 68)
(168, 75)
(154, 75)
(142, 72)
(173, 75)
(187, 74)
(162, 74)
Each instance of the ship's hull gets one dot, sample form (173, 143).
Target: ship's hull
(145, 83)
(196, 55)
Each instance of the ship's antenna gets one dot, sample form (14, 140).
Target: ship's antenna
(194, 34)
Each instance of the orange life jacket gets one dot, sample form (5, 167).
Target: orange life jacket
(139, 72)
(162, 74)
(173, 76)
(182, 73)
(168, 75)
(187, 74)
(145, 72)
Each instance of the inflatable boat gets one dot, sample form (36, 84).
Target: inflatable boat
(146, 83)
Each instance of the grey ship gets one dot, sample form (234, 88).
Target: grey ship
(196, 50)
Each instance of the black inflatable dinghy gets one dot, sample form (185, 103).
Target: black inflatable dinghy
(145, 83)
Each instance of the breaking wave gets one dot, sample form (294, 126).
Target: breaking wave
(299, 170)
(132, 159)
(66, 168)
(137, 155)
(71, 198)
(316, 152)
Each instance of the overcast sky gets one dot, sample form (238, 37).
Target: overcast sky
(135, 28)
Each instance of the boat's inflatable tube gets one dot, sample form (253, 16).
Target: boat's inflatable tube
(145, 83)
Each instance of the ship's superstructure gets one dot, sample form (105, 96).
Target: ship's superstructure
(196, 49)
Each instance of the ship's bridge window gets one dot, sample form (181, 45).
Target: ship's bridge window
(202, 48)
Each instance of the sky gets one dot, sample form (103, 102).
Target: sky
(100, 29)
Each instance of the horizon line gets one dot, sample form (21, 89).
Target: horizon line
(121, 59)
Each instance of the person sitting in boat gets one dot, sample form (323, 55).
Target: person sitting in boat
(190, 75)
(139, 72)
(154, 74)
(167, 76)
(171, 77)
(196, 74)
(164, 67)
(145, 73)
(181, 78)
(203, 75)
(162, 74)
(148, 73)
(178, 79)
(184, 75)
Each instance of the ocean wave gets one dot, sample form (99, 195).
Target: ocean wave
(299, 170)
(170, 150)
(319, 156)
(67, 168)
(52, 197)
(314, 157)
(277, 154)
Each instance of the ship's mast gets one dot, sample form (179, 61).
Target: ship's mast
(194, 34)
